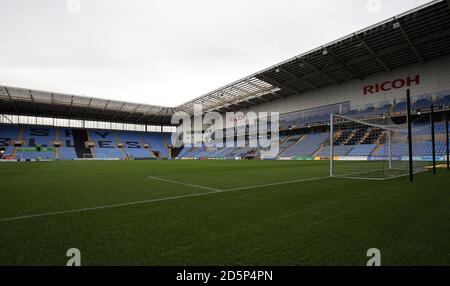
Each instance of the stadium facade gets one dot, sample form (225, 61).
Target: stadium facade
(363, 75)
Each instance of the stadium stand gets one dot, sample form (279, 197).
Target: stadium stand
(6, 135)
(362, 150)
(306, 146)
(153, 145)
(106, 145)
(35, 137)
(73, 143)
(442, 102)
(419, 149)
(340, 150)
(421, 104)
(134, 145)
(158, 143)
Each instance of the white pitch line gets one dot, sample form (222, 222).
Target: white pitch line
(211, 191)
(185, 184)
(277, 184)
(103, 207)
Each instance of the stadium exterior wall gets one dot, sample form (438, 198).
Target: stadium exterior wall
(434, 78)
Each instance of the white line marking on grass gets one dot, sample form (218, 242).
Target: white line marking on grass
(103, 207)
(277, 184)
(185, 184)
(211, 191)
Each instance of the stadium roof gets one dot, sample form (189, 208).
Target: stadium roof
(22, 101)
(415, 36)
(412, 37)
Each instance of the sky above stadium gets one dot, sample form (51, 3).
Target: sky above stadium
(166, 52)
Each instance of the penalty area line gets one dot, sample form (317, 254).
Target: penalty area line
(277, 184)
(211, 191)
(102, 207)
(185, 184)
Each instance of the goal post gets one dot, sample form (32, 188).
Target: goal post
(375, 149)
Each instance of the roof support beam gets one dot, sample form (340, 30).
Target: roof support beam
(71, 105)
(103, 110)
(234, 99)
(142, 117)
(371, 51)
(11, 101)
(87, 108)
(261, 88)
(280, 85)
(248, 93)
(157, 115)
(410, 43)
(293, 76)
(186, 109)
(118, 111)
(259, 98)
(344, 64)
(323, 74)
(227, 109)
(131, 113)
(32, 102)
(53, 105)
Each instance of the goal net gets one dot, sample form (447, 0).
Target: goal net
(377, 149)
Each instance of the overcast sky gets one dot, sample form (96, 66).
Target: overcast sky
(166, 52)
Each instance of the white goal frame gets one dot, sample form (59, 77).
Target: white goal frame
(389, 158)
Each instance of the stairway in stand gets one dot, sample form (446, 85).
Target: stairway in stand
(79, 139)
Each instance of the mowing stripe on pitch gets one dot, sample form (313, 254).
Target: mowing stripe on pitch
(211, 191)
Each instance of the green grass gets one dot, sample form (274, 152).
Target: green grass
(320, 222)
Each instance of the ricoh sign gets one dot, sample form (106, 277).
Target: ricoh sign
(392, 85)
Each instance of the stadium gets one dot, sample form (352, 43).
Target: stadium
(361, 164)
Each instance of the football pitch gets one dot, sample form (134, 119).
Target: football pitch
(218, 213)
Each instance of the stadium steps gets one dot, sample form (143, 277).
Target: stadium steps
(93, 153)
(152, 155)
(383, 136)
(20, 138)
(286, 144)
(293, 145)
(169, 151)
(376, 150)
(57, 151)
(80, 137)
(149, 149)
(365, 137)
(124, 155)
(350, 137)
(319, 150)
(285, 140)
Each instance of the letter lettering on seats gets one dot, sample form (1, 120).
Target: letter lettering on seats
(69, 143)
(102, 134)
(133, 145)
(39, 132)
(4, 141)
(32, 143)
(105, 144)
